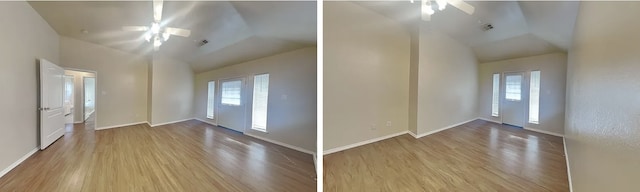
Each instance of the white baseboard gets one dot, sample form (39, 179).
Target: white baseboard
(544, 132)
(122, 125)
(166, 123)
(566, 157)
(412, 134)
(15, 164)
(485, 119)
(205, 121)
(444, 128)
(315, 162)
(281, 144)
(329, 151)
(78, 122)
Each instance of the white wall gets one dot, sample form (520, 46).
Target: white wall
(366, 75)
(172, 90)
(78, 93)
(447, 82)
(121, 84)
(24, 38)
(291, 120)
(602, 126)
(553, 73)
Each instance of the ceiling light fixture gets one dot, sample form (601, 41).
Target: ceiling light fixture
(155, 28)
(157, 43)
(166, 36)
(427, 7)
(442, 4)
(156, 33)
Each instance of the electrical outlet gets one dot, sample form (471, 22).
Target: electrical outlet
(388, 123)
(373, 126)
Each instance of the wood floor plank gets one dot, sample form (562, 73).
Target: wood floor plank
(476, 156)
(186, 156)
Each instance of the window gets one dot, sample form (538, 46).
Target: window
(513, 87)
(260, 99)
(211, 99)
(534, 97)
(495, 101)
(231, 92)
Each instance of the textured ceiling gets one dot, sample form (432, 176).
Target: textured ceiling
(520, 28)
(236, 31)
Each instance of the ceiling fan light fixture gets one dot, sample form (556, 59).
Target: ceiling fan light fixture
(147, 37)
(157, 42)
(157, 34)
(165, 36)
(155, 28)
(427, 8)
(442, 4)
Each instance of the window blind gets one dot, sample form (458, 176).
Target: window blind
(231, 92)
(260, 100)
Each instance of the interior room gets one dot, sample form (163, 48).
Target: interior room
(481, 96)
(158, 96)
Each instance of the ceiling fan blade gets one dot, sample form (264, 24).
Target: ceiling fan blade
(464, 6)
(135, 28)
(178, 31)
(157, 10)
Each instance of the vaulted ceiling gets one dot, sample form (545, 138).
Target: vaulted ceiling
(236, 31)
(521, 29)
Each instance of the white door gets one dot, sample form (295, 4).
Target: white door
(51, 103)
(232, 111)
(513, 108)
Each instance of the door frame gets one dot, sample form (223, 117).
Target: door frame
(523, 97)
(95, 100)
(243, 100)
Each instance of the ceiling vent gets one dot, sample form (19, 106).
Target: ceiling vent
(203, 42)
(487, 27)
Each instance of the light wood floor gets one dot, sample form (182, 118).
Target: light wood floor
(187, 156)
(477, 156)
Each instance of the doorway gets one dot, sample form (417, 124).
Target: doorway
(513, 105)
(68, 98)
(84, 99)
(232, 111)
(89, 96)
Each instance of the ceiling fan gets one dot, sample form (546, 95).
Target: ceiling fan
(155, 32)
(428, 6)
